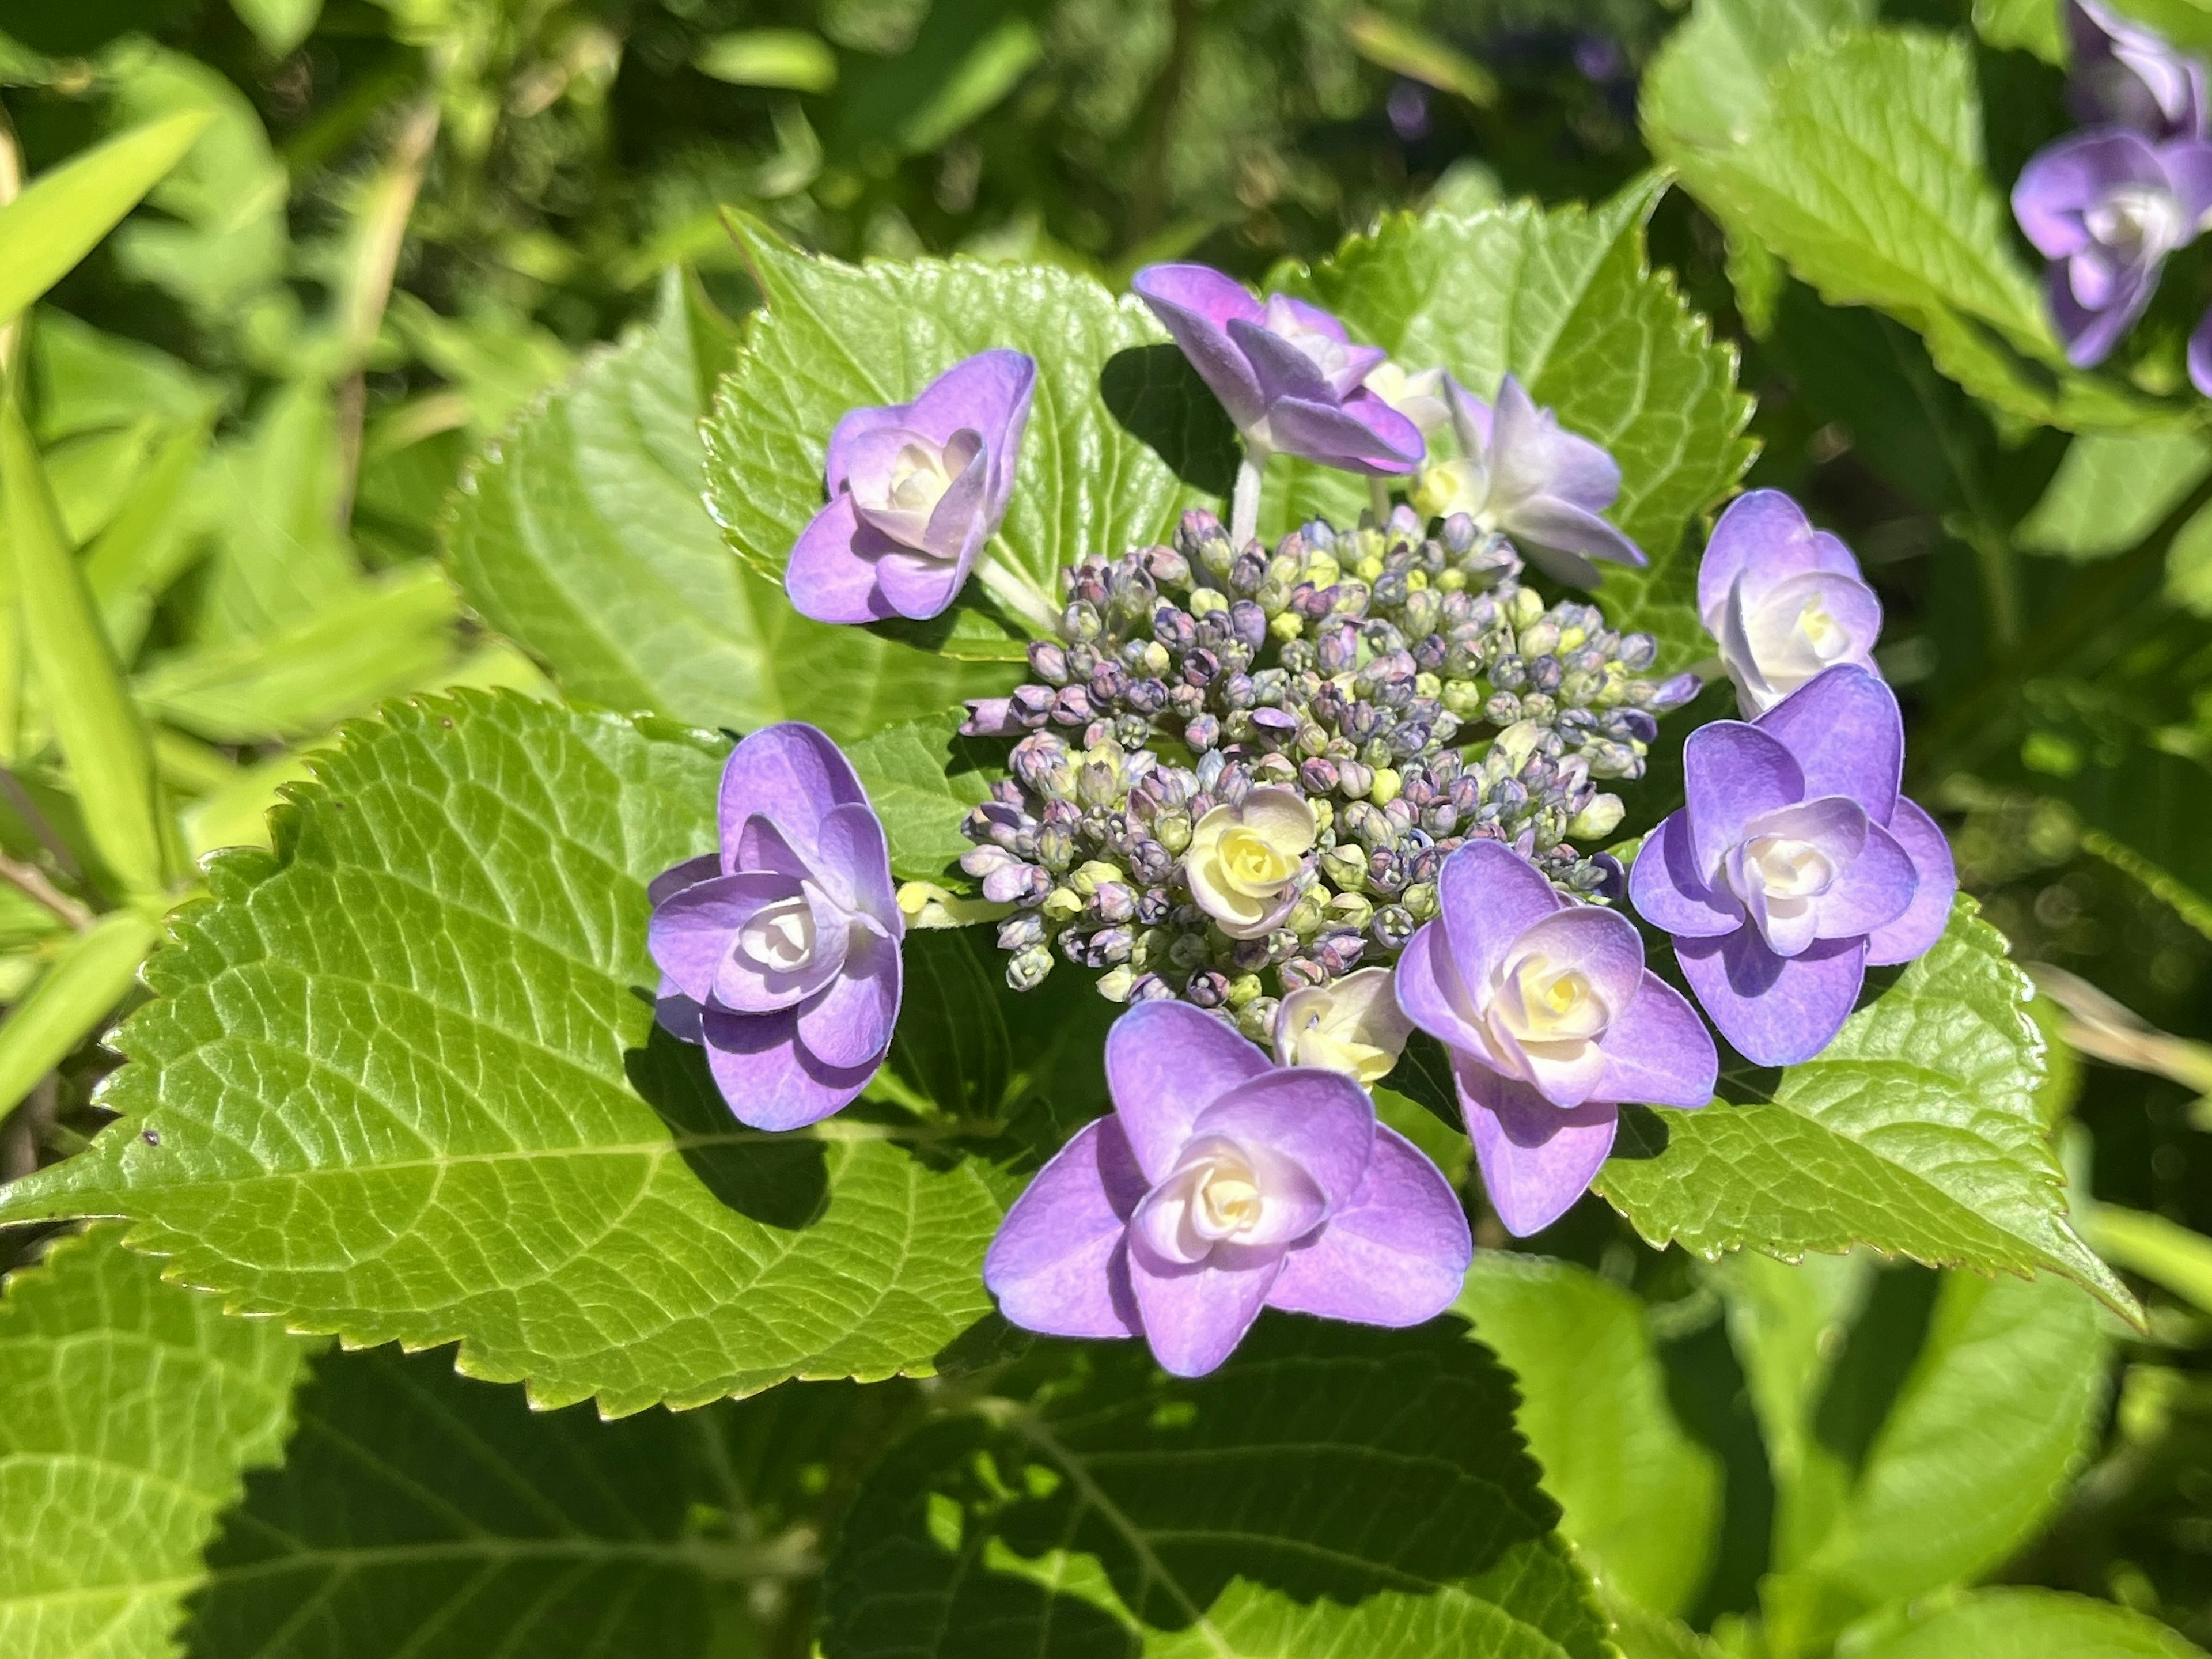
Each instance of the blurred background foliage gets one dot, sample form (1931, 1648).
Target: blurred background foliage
(404, 219)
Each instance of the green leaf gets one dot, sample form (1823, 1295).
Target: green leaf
(1640, 1498)
(2111, 490)
(417, 1512)
(580, 535)
(279, 25)
(1736, 47)
(1329, 1491)
(63, 214)
(2186, 23)
(1992, 1421)
(111, 761)
(133, 1407)
(1565, 300)
(922, 778)
(2031, 26)
(797, 60)
(2164, 1252)
(145, 546)
(1861, 166)
(1914, 1130)
(66, 1005)
(400, 1081)
(2031, 1624)
(830, 337)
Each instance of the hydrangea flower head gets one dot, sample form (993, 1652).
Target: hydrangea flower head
(1520, 472)
(780, 952)
(1794, 865)
(1785, 601)
(1352, 1025)
(1552, 1020)
(1419, 397)
(1221, 1184)
(2106, 207)
(916, 490)
(1285, 371)
(2126, 75)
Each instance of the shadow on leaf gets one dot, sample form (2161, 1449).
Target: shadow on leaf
(1159, 400)
(779, 1180)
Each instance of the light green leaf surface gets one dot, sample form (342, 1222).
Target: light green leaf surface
(2031, 26)
(2175, 1257)
(1862, 167)
(1566, 301)
(2030, 1624)
(1916, 1131)
(1329, 1491)
(922, 778)
(98, 726)
(402, 1082)
(64, 213)
(132, 1409)
(582, 535)
(2186, 23)
(830, 337)
(2111, 490)
(419, 1513)
(1640, 1497)
(1992, 1421)
(66, 1004)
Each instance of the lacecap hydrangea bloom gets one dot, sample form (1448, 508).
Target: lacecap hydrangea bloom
(1796, 864)
(1553, 1021)
(916, 490)
(780, 952)
(1353, 1025)
(1785, 601)
(1220, 1185)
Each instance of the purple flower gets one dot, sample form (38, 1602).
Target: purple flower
(915, 490)
(1795, 864)
(1785, 600)
(780, 953)
(2107, 207)
(1552, 1020)
(2200, 354)
(1520, 473)
(1285, 371)
(2128, 76)
(1220, 1185)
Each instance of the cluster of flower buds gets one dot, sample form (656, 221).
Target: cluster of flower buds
(1411, 692)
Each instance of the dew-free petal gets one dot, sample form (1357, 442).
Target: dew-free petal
(791, 774)
(1429, 990)
(1488, 896)
(1322, 1121)
(848, 1023)
(831, 576)
(1921, 923)
(1671, 893)
(1733, 773)
(768, 1079)
(1536, 1159)
(691, 931)
(1658, 1051)
(1195, 304)
(1395, 1255)
(1196, 1314)
(1776, 1011)
(1874, 889)
(1165, 1063)
(1060, 1264)
(1847, 736)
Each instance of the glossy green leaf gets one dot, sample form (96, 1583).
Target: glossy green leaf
(2170, 1255)
(1329, 1491)
(1862, 167)
(796, 59)
(922, 778)
(67, 1003)
(1914, 1130)
(1640, 1498)
(580, 535)
(401, 1081)
(2031, 26)
(2029, 1624)
(417, 1512)
(1993, 1418)
(133, 1407)
(65, 212)
(1567, 301)
(98, 726)
(830, 337)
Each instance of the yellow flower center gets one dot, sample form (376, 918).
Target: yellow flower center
(1252, 866)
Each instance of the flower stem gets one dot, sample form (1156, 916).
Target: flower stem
(1378, 497)
(1245, 505)
(1014, 589)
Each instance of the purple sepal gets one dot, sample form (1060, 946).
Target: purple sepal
(1785, 601)
(2125, 74)
(2200, 354)
(1536, 1159)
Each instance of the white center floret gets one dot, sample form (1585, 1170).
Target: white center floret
(1784, 867)
(917, 480)
(2140, 222)
(1327, 354)
(1226, 1201)
(780, 937)
(1540, 1001)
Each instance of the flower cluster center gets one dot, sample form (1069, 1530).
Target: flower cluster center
(1785, 867)
(1539, 1000)
(2141, 221)
(780, 937)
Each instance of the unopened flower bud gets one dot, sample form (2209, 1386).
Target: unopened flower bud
(1025, 970)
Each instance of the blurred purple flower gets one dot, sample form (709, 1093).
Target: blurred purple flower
(1520, 473)
(915, 490)
(1796, 864)
(1785, 601)
(1220, 1185)
(2200, 354)
(1407, 106)
(2107, 207)
(780, 953)
(2127, 75)
(1552, 1020)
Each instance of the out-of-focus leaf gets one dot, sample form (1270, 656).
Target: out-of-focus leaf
(237, 815)
(1406, 49)
(90, 474)
(270, 505)
(133, 1408)
(1997, 1412)
(499, 363)
(86, 380)
(1640, 1498)
(830, 337)
(1328, 1492)
(2030, 26)
(2028, 1624)
(1914, 1130)
(2164, 1252)
(391, 635)
(437, 985)
(2111, 490)
(146, 545)
(2186, 23)
(97, 724)
(1567, 301)
(279, 25)
(56, 221)
(581, 536)
(87, 978)
(797, 60)
(1736, 45)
